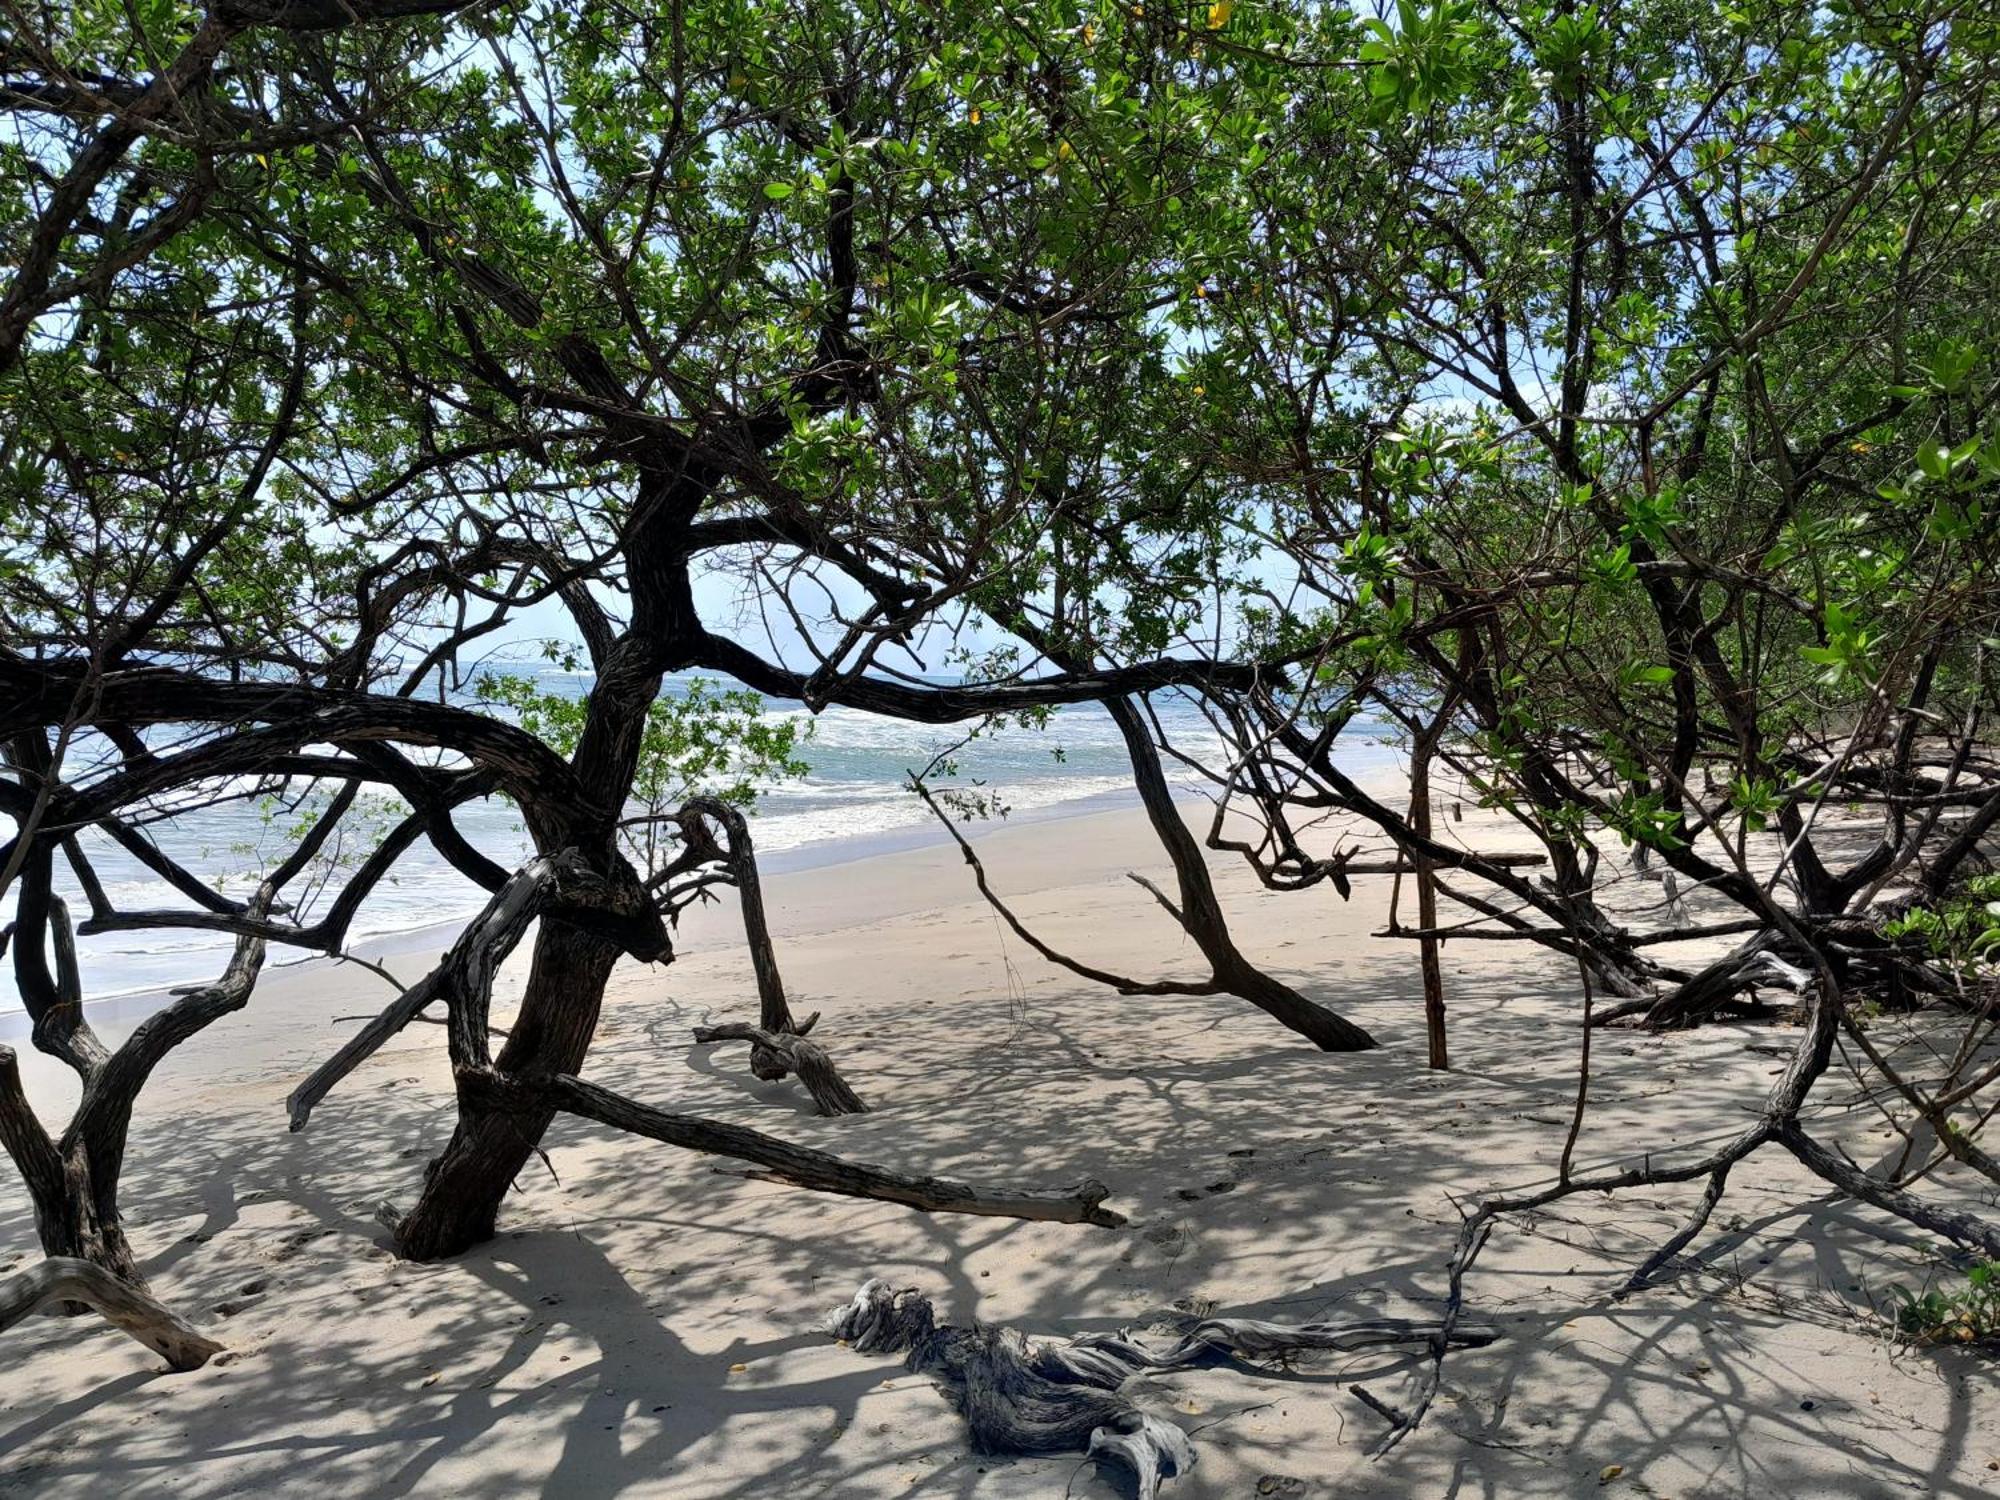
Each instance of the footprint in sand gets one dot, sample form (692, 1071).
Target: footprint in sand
(246, 1294)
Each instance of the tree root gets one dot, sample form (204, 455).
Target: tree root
(63, 1278)
(1038, 1397)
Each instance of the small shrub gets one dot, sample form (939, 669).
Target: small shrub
(1969, 1316)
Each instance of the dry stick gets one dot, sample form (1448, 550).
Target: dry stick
(1478, 1226)
(781, 1161)
(1583, 1058)
(1808, 1062)
(1778, 1121)
(1956, 1142)
(1682, 1237)
(63, 1278)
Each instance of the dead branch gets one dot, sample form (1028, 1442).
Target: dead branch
(780, 1161)
(63, 1278)
(773, 1054)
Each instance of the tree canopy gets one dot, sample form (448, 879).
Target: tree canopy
(1602, 394)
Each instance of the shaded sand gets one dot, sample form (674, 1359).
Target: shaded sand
(644, 1325)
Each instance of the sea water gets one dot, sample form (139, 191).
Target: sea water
(854, 801)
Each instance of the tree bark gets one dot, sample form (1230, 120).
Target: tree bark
(464, 1186)
(774, 1012)
(781, 1161)
(75, 1203)
(774, 1054)
(73, 1182)
(1427, 904)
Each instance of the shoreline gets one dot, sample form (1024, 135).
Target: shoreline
(132, 1005)
(125, 1008)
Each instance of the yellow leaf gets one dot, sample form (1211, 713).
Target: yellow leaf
(974, 116)
(1063, 151)
(738, 1369)
(1219, 13)
(1611, 1472)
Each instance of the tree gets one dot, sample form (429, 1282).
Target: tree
(571, 304)
(1632, 430)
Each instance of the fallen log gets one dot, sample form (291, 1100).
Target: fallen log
(780, 1161)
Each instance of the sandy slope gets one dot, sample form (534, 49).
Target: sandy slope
(645, 1324)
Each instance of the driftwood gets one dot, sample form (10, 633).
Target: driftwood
(1721, 984)
(777, 1041)
(1026, 1396)
(65, 1279)
(780, 1161)
(774, 1054)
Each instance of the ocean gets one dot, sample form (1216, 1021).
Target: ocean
(853, 802)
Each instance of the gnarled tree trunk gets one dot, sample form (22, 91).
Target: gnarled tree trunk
(1200, 913)
(464, 1186)
(72, 1181)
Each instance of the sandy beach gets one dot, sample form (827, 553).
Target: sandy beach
(646, 1324)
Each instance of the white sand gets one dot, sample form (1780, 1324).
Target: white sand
(645, 1325)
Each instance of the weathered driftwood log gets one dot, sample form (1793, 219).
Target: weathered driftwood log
(1034, 1396)
(63, 1278)
(780, 1161)
(774, 1054)
(777, 1045)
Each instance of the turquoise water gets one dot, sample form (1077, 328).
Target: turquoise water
(853, 802)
